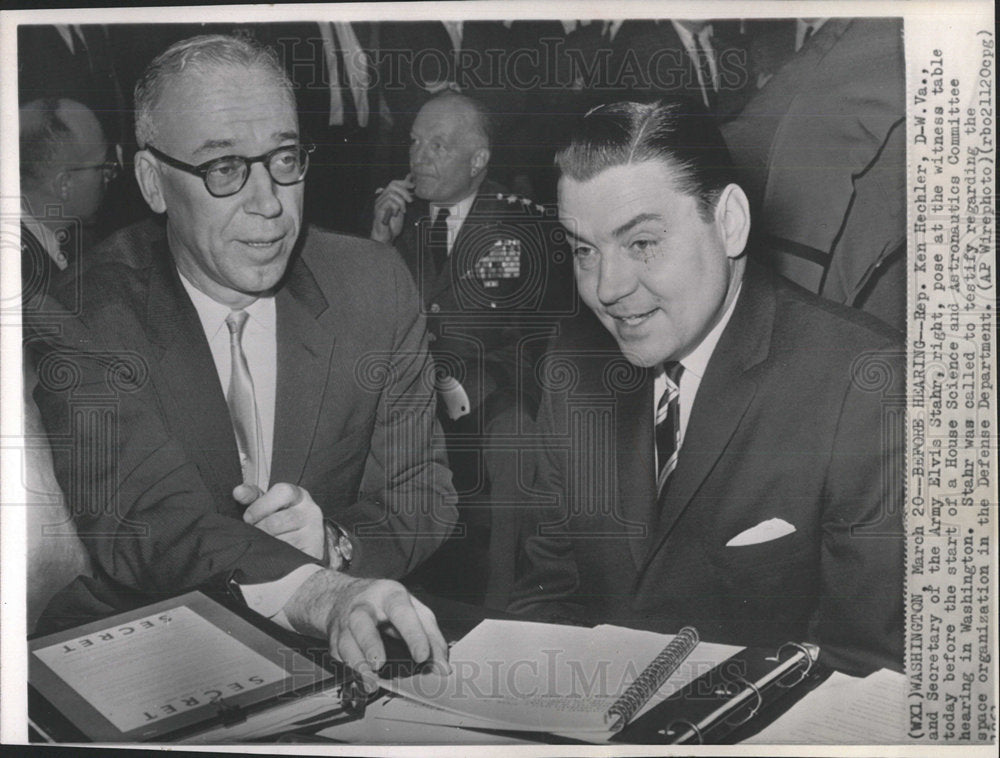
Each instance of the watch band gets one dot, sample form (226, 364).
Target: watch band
(339, 548)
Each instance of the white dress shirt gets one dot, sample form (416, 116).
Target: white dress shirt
(340, 35)
(260, 344)
(804, 24)
(45, 236)
(457, 214)
(694, 364)
(454, 29)
(705, 40)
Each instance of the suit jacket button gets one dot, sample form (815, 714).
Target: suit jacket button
(435, 308)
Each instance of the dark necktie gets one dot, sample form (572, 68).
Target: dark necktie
(439, 240)
(705, 70)
(668, 426)
(243, 407)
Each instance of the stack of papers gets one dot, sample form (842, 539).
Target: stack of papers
(523, 676)
(845, 710)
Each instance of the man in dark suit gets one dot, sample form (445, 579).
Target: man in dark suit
(732, 458)
(79, 61)
(483, 262)
(821, 149)
(697, 59)
(332, 65)
(266, 427)
(419, 59)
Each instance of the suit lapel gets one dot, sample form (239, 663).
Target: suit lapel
(305, 348)
(198, 414)
(724, 395)
(636, 463)
(460, 264)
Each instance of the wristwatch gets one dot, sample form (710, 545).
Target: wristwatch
(338, 547)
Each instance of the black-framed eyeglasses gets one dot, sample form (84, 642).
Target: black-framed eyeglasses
(109, 168)
(228, 175)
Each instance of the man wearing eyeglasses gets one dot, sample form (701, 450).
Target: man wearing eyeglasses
(273, 420)
(64, 178)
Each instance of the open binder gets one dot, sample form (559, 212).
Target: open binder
(726, 698)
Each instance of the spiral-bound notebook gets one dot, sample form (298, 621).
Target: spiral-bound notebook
(583, 683)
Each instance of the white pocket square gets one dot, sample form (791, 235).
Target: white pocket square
(765, 531)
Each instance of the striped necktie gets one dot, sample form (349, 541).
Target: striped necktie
(243, 407)
(668, 426)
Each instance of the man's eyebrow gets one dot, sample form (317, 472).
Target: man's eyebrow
(217, 144)
(642, 217)
(574, 237)
(213, 144)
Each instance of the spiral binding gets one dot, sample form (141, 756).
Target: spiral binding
(652, 678)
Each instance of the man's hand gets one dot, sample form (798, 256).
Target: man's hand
(390, 207)
(349, 612)
(287, 512)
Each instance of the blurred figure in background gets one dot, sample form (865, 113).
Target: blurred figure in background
(821, 150)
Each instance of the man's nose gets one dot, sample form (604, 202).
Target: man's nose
(261, 193)
(616, 278)
(418, 155)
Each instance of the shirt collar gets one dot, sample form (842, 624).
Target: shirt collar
(213, 314)
(456, 212)
(697, 360)
(688, 38)
(44, 234)
(801, 24)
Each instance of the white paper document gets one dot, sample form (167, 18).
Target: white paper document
(845, 710)
(546, 677)
(137, 672)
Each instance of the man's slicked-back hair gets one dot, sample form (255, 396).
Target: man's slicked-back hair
(679, 133)
(202, 53)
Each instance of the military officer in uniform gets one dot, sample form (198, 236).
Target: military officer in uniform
(483, 262)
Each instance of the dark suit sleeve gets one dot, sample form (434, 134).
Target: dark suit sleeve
(546, 571)
(143, 509)
(858, 622)
(406, 507)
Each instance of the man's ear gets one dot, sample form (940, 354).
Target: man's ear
(480, 159)
(732, 218)
(62, 183)
(150, 180)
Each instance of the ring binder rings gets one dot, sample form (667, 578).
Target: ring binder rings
(726, 698)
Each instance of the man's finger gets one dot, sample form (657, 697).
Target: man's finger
(439, 647)
(352, 657)
(361, 626)
(404, 618)
(280, 522)
(396, 196)
(280, 496)
(246, 494)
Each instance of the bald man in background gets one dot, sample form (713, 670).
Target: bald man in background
(65, 170)
(64, 178)
(483, 260)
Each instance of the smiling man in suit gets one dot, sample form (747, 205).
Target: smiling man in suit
(269, 419)
(723, 449)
